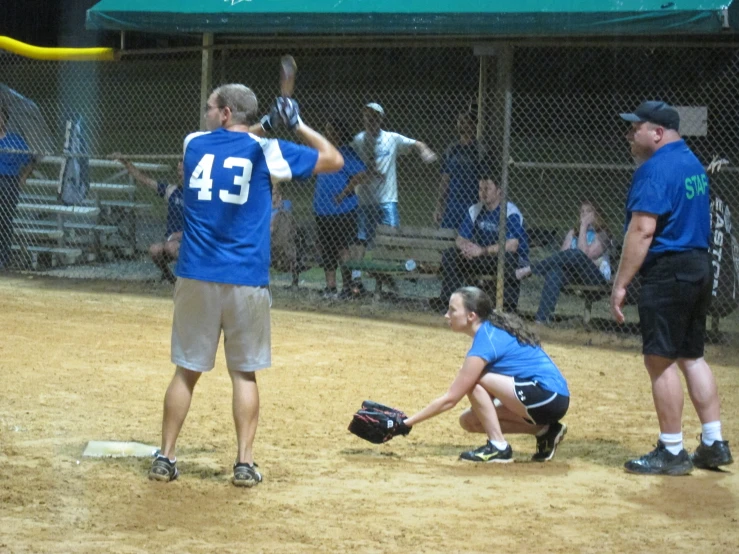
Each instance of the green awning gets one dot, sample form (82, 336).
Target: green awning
(415, 17)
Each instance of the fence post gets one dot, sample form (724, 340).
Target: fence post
(482, 90)
(206, 75)
(505, 68)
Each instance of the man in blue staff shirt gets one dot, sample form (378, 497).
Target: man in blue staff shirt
(223, 266)
(667, 234)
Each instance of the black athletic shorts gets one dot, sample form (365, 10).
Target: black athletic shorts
(673, 303)
(335, 233)
(543, 406)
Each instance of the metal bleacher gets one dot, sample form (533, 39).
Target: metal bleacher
(102, 227)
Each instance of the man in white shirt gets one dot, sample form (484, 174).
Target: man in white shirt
(378, 196)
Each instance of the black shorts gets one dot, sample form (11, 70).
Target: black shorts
(335, 233)
(673, 303)
(543, 406)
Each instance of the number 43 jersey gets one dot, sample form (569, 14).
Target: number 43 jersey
(228, 203)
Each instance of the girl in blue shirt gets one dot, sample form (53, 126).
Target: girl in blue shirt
(512, 384)
(583, 259)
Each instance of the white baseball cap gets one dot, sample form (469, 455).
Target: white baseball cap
(376, 107)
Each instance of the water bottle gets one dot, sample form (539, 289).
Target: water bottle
(410, 265)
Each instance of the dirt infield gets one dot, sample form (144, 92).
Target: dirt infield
(81, 365)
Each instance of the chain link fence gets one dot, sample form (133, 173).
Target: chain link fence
(533, 129)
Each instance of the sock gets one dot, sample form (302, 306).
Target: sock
(543, 431)
(672, 441)
(711, 432)
(500, 445)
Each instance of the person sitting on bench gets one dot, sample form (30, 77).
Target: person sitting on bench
(168, 250)
(285, 251)
(476, 252)
(582, 260)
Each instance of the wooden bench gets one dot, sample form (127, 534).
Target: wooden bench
(593, 293)
(405, 253)
(589, 293)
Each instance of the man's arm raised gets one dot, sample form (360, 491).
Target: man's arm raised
(330, 159)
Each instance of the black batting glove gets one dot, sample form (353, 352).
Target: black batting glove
(272, 120)
(289, 112)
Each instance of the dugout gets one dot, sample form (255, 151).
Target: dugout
(538, 72)
(491, 27)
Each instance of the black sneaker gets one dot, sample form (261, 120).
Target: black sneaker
(246, 475)
(163, 470)
(546, 445)
(712, 457)
(489, 454)
(661, 461)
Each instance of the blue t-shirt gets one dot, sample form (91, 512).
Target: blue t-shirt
(504, 355)
(328, 185)
(673, 185)
(589, 238)
(460, 162)
(175, 207)
(481, 227)
(12, 163)
(228, 203)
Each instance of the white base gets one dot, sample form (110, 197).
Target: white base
(117, 449)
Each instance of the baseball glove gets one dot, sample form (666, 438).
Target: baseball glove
(378, 423)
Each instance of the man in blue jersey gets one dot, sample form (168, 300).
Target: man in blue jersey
(476, 252)
(223, 267)
(667, 234)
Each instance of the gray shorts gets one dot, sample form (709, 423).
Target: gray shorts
(202, 309)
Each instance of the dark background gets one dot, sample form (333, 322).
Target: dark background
(51, 23)
(62, 23)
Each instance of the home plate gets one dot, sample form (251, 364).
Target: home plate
(118, 449)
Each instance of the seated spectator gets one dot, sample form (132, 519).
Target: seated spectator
(279, 204)
(335, 206)
(284, 233)
(167, 251)
(583, 260)
(476, 252)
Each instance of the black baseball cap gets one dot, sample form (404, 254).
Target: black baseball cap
(654, 111)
